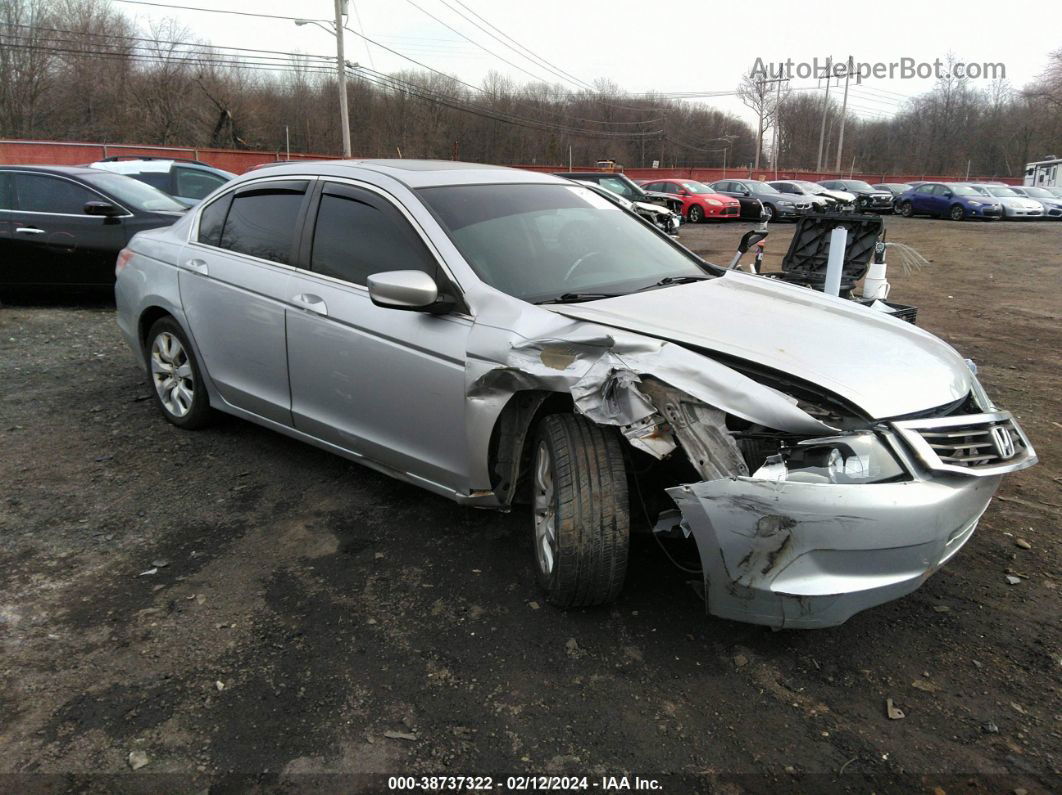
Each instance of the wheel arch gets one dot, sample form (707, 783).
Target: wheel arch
(511, 438)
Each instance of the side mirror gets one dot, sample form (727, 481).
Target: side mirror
(746, 193)
(948, 194)
(413, 291)
(105, 209)
(683, 192)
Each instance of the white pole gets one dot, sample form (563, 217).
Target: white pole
(825, 108)
(287, 142)
(341, 75)
(777, 124)
(835, 260)
(844, 109)
(569, 158)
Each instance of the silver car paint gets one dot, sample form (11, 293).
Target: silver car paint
(422, 400)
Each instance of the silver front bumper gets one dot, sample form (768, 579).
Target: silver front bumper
(806, 555)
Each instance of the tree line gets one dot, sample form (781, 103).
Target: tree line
(81, 70)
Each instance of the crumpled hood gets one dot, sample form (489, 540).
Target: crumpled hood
(883, 365)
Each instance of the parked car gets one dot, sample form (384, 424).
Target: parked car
(1052, 204)
(867, 199)
(794, 188)
(655, 214)
(624, 186)
(776, 206)
(188, 181)
(844, 199)
(897, 189)
(942, 200)
(1015, 206)
(500, 336)
(65, 226)
(698, 200)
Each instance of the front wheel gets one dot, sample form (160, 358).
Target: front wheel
(957, 213)
(695, 215)
(907, 209)
(174, 373)
(580, 511)
(768, 213)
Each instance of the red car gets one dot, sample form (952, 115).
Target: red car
(698, 200)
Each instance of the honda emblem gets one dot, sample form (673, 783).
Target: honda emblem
(1003, 442)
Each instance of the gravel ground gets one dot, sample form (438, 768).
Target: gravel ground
(237, 608)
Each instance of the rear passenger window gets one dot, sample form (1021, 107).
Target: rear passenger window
(156, 179)
(7, 201)
(358, 234)
(262, 221)
(212, 220)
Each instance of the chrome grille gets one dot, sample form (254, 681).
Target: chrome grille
(978, 444)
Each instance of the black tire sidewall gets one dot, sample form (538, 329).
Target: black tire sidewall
(907, 209)
(199, 414)
(695, 215)
(961, 214)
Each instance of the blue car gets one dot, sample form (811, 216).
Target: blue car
(957, 202)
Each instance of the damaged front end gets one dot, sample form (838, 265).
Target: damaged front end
(806, 511)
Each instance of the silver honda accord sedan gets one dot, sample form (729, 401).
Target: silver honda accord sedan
(503, 337)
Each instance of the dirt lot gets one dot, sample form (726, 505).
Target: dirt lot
(242, 608)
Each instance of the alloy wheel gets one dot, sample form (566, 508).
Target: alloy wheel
(545, 512)
(171, 372)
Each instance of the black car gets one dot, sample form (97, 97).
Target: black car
(622, 185)
(758, 199)
(867, 198)
(65, 226)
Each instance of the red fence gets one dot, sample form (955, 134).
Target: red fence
(62, 153)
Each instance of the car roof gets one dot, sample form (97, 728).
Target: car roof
(411, 173)
(73, 171)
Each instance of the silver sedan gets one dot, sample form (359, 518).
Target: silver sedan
(502, 337)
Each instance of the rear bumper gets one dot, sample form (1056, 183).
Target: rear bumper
(808, 555)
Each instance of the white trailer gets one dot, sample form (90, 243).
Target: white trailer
(1044, 174)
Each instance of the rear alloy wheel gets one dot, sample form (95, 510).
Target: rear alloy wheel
(695, 215)
(957, 213)
(174, 373)
(580, 512)
(906, 209)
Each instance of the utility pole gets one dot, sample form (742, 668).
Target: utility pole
(341, 75)
(825, 110)
(777, 124)
(844, 109)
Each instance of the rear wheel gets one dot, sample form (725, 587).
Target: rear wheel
(580, 509)
(906, 209)
(695, 214)
(174, 373)
(957, 213)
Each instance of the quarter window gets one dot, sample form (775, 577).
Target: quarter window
(357, 234)
(212, 220)
(262, 221)
(39, 193)
(7, 199)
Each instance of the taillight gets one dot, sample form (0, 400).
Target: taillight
(124, 256)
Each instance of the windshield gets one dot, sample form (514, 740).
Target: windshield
(1055, 191)
(697, 187)
(622, 187)
(963, 190)
(810, 186)
(1038, 193)
(135, 193)
(1001, 191)
(763, 187)
(541, 242)
(855, 184)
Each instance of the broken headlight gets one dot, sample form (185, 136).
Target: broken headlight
(859, 457)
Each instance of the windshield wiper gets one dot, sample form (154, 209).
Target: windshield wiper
(667, 281)
(574, 298)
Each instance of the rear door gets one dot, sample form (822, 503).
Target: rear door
(235, 281)
(52, 240)
(383, 383)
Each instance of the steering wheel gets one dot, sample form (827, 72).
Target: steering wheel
(580, 261)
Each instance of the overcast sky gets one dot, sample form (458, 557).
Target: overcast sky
(641, 46)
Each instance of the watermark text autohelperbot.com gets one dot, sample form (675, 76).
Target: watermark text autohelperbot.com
(901, 69)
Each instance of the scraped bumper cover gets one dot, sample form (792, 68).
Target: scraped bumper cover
(806, 555)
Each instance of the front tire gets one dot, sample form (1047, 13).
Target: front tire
(768, 213)
(907, 209)
(580, 512)
(695, 215)
(174, 374)
(957, 213)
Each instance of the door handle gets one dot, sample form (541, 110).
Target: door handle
(314, 303)
(197, 266)
(29, 230)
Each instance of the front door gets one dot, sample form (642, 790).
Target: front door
(383, 383)
(50, 238)
(235, 282)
